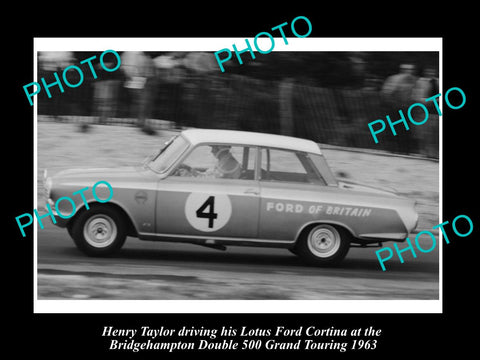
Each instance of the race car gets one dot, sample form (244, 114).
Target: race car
(222, 188)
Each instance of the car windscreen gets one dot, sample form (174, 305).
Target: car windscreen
(168, 155)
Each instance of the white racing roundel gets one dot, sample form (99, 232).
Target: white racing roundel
(206, 212)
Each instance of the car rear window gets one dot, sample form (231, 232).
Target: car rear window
(290, 166)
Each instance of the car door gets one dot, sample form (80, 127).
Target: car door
(198, 199)
(289, 189)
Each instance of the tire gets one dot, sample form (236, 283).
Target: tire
(323, 244)
(99, 231)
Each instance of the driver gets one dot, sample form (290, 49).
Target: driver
(226, 167)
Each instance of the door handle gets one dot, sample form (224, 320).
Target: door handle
(252, 191)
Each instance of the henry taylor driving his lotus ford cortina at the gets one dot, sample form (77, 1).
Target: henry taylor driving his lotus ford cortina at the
(220, 187)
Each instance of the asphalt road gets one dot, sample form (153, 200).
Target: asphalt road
(158, 271)
(153, 270)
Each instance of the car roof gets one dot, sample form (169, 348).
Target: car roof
(197, 136)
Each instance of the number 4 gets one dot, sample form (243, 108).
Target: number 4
(210, 215)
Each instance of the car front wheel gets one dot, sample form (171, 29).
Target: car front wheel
(323, 244)
(99, 231)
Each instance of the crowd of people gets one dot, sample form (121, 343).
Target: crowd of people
(148, 82)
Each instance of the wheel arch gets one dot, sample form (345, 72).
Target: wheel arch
(308, 226)
(131, 229)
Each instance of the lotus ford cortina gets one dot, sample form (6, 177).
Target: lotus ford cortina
(222, 188)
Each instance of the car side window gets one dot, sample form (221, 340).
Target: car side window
(218, 161)
(286, 165)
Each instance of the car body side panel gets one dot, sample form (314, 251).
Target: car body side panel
(134, 190)
(260, 210)
(285, 209)
(176, 212)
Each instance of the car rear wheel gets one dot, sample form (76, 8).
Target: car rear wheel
(99, 231)
(323, 244)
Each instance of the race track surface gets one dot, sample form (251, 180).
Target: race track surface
(153, 270)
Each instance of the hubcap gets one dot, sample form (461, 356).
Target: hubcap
(100, 231)
(323, 241)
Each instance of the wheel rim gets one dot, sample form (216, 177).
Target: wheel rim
(323, 241)
(100, 231)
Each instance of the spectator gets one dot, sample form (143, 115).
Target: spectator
(48, 63)
(139, 70)
(106, 92)
(426, 86)
(397, 94)
(397, 89)
(171, 77)
(427, 134)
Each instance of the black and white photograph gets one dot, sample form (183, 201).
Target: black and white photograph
(169, 179)
(266, 185)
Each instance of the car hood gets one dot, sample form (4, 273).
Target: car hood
(357, 186)
(98, 174)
